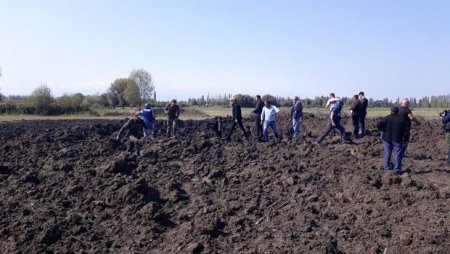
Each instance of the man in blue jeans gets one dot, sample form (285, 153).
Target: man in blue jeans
(394, 128)
(296, 116)
(268, 120)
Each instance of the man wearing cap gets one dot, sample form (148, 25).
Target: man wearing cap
(257, 112)
(296, 115)
(237, 119)
(173, 112)
(394, 128)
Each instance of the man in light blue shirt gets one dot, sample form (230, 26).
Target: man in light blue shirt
(268, 115)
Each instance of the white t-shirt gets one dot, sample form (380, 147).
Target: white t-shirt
(268, 114)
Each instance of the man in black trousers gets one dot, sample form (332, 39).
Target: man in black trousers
(363, 113)
(257, 111)
(237, 120)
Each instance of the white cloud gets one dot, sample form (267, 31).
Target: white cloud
(85, 87)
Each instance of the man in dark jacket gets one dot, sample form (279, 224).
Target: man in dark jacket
(257, 112)
(363, 113)
(356, 108)
(394, 129)
(173, 112)
(135, 127)
(296, 116)
(237, 120)
(446, 121)
(408, 116)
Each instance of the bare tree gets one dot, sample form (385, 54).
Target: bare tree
(144, 81)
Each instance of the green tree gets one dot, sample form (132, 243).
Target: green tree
(117, 92)
(113, 97)
(245, 100)
(271, 98)
(144, 81)
(2, 97)
(41, 99)
(132, 95)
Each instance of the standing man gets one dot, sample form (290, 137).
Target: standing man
(148, 116)
(362, 117)
(268, 115)
(394, 128)
(237, 120)
(446, 121)
(217, 127)
(296, 116)
(257, 111)
(356, 108)
(408, 116)
(333, 121)
(173, 112)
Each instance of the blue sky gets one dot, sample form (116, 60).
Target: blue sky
(191, 47)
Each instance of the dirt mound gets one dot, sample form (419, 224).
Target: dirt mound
(69, 187)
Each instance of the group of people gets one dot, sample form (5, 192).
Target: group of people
(143, 122)
(264, 115)
(395, 128)
(396, 133)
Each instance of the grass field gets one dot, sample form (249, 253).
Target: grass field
(197, 113)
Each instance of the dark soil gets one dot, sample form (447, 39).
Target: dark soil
(69, 187)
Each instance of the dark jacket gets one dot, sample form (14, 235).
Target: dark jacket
(356, 108)
(237, 113)
(364, 104)
(393, 128)
(173, 111)
(297, 110)
(446, 122)
(258, 108)
(404, 112)
(134, 126)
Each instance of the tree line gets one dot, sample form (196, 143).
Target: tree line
(138, 88)
(134, 90)
(245, 100)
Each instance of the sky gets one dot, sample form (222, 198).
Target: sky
(386, 48)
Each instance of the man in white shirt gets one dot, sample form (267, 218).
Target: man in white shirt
(268, 115)
(331, 102)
